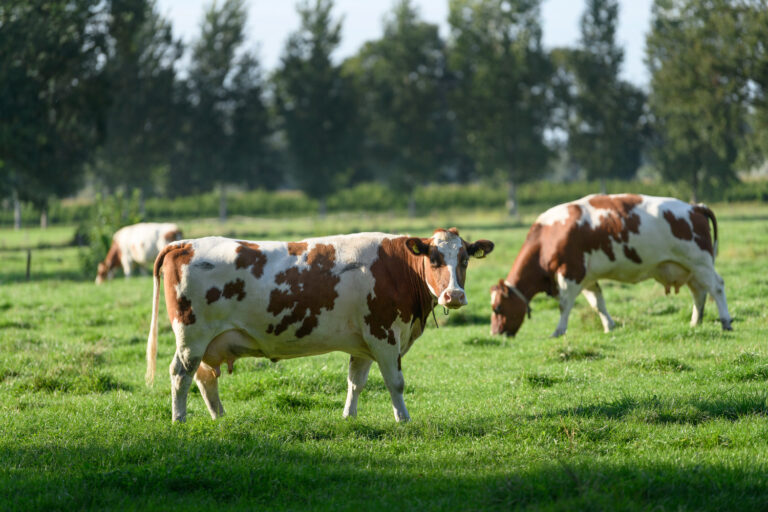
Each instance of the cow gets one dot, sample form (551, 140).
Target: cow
(624, 237)
(136, 245)
(366, 294)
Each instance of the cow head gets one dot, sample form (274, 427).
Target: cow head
(102, 273)
(508, 309)
(446, 257)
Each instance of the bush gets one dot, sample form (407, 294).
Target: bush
(95, 233)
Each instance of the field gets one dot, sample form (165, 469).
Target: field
(655, 415)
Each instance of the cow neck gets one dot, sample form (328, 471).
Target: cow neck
(526, 273)
(415, 268)
(113, 256)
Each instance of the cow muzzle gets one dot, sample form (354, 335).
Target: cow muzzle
(452, 299)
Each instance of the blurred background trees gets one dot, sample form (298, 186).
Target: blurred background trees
(102, 97)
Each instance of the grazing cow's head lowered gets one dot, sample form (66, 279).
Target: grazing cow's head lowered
(446, 257)
(508, 309)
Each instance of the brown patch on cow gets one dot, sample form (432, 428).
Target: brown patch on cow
(700, 220)
(680, 227)
(632, 255)
(236, 287)
(249, 255)
(173, 258)
(172, 236)
(309, 291)
(297, 248)
(399, 289)
(212, 295)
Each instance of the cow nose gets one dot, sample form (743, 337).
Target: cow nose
(454, 299)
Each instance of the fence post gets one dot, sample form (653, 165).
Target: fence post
(29, 261)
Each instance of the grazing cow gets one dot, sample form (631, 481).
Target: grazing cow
(625, 237)
(136, 245)
(367, 294)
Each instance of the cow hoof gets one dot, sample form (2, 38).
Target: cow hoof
(557, 334)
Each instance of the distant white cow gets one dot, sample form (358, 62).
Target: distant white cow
(134, 245)
(624, 237)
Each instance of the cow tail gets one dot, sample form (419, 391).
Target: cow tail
(152, 339)
(704, 209)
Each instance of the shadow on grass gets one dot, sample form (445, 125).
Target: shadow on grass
(638, 485)
(693, 411)
(243, 469)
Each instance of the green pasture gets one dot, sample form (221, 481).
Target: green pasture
(655, 415)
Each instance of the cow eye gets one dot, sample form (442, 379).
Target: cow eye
(465, 262)
(434, 260)
(497, 310)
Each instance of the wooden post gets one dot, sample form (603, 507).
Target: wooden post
(29, 261)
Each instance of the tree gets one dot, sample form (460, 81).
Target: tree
(226, 125)
(604, 129)
(51, 94)
(316, 104)
(140, 120)
(402, 79)
(698, 89)
(501, 99)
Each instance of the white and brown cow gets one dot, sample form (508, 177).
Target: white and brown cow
(367, 294)
(624, 237)
(136, 245)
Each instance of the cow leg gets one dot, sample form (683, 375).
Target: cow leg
(567, 292)
(715, 286)
(594, 295)
(358, 376)
(127, 266)
(388, 358)
(208, 383)
(181, 371)
(699, 294)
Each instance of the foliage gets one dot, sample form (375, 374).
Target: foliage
(51, 93)
(669, 418)
(402, 82)
(316, 104)
(698, 89)
(140, 121)
(108, 214)
(604, 128)
(501, 99)
(225, 124)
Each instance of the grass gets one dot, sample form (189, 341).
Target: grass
(654, 415)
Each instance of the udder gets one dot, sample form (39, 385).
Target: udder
(230, 346)
(671, 274)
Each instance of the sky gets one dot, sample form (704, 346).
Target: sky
(271, 21)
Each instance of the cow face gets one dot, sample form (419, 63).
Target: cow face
(507, 310)
(102, 273)
(446, 257)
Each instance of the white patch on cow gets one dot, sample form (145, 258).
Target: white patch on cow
(554, 215)
(449, 246)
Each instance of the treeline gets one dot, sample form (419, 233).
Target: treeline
(94, 93)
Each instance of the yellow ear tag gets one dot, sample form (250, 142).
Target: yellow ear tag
(415, 249)
(479, 253)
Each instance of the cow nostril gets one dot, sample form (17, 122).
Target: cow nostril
(447, 297)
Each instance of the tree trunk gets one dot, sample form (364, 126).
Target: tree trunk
(16, 211)
(43, 218)
(412, 204)
(142, 206)
(222, 204)
(321, 207)
(602, 186)
(695, 187)
(512, 199)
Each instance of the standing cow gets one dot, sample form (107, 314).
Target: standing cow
(624, 237)
(136, 245)
(367, 294)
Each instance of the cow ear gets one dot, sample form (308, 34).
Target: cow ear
(417, 246)
(480, 248)
(504, 289)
